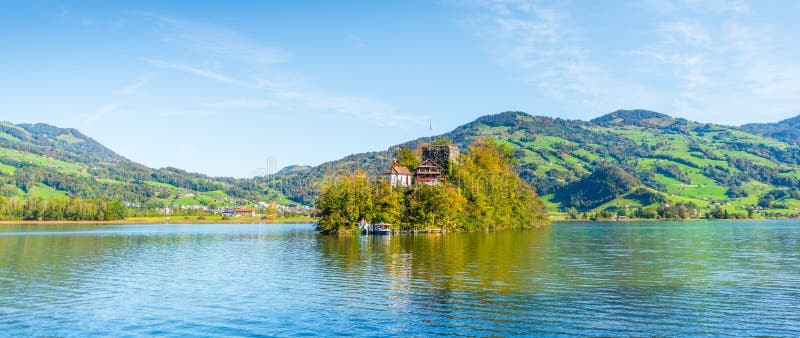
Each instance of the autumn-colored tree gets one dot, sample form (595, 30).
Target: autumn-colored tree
(484, 194)
(439, 206)
(387, 204)
(344, 202)
(406, 157)
(496, 197)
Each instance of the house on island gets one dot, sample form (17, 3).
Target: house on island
(398, 176)
(436, 163)
(428, 172)
(245, 212)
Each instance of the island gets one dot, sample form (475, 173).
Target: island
(435, 187)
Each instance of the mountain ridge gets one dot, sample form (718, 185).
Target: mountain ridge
(787, 130)
(636, 155)
(41, 160)
(673, 158)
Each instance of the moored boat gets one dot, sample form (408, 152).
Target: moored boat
(365, 227)
(382, 228)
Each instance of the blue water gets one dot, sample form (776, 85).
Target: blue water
(604, 279)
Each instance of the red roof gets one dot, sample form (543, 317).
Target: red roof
(397, 169)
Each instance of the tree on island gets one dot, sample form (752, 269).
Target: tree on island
(484, 193)
(433, 207)
(496, 196)
(406, 157)
(344, 202)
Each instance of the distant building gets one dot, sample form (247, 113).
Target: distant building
(428, 172)
(245, 212)
(398, 176)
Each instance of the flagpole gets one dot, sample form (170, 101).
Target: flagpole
(430, 131)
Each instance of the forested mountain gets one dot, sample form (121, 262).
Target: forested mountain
(625, 158)
(787, 130)
(40, 160)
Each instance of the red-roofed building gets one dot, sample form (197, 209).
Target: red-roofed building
(398, 176)
(427, 172)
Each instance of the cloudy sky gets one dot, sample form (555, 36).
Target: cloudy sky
(238, 89)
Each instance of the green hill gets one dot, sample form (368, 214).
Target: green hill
(787, 130)
(46, 161)
(624, 158)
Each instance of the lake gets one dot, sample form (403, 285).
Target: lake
(627, 278)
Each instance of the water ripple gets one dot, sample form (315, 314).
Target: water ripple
(588, 279)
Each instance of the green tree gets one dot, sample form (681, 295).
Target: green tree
(572, 213)
(387, 204)
(407, 157)
(496, 197)
(438, 206)
(345, 202)
(442, 142)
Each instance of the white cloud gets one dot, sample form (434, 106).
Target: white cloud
(685, 32)
(364, 108)
(210, 74)
(544, 46)
(728, 68)
(216, 41)
(290, 94)
(192, 70)
(355, 40)
(765, 73)
(699, 6)
(242, 103)
(717, 60)
(278, 89)
(140, 82)
(102, 112)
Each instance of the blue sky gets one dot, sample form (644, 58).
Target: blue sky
(240, 88)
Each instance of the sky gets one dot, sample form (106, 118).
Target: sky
(245, 88)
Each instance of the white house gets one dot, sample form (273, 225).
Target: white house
(398, 176)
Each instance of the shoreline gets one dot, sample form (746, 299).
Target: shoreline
(312, 221)
(671, 220)
(175, 221)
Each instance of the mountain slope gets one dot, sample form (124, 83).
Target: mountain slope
(787, 130)
(47, 140)
(680, 160)
(625, 158)
(634, 117)
(47, 161)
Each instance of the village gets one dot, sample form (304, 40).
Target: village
(238, 208)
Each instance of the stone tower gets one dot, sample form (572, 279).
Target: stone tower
(443, 155)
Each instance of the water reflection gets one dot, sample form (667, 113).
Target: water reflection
(716, 278)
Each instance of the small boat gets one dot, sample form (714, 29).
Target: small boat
(365, 227)
(382, 228)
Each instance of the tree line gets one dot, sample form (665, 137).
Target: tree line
(481, 192)
(60, 209)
